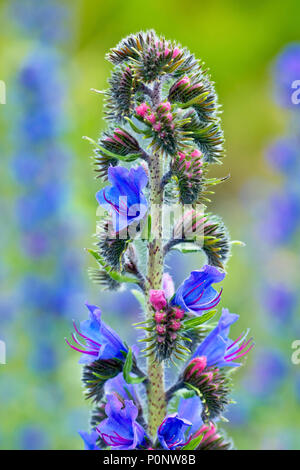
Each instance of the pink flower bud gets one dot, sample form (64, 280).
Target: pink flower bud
(142, 109)
(196, 366)
(157, 299)
(209, 432)
(178, 313)
(173, 336)
(175, 52)
(161, 329)
(183, 81)
(165, 106)
(159, 317)
(157, 127)
(196, 153)
(175, 325)
(151, 118)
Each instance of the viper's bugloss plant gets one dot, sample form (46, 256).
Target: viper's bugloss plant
(163, 133)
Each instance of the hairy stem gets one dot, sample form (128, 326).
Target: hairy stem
(156, 391)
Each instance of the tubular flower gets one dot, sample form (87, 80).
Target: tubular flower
(196, 293)
(171, 432)
(89, 440)
(120, 430)
(124, 199)
(101, 342)
(218, 349)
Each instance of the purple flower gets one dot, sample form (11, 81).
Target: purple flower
(124, 199)
(172, 432)
(101, 342)
(219, 350)
(196, 293)
(89, 440)
(120, 430)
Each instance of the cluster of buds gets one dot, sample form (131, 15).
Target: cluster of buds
(208, 232)
(190, 226)
(187, 168)
(211, 439)
(121, 142)
(185, 89)
(120, 98)
(119, 145)
(159, 56)
(212, 384)
(166, 325)
(161, 124)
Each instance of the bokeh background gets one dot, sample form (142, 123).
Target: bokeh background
(51, 55)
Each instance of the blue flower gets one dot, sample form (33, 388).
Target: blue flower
(196, 293)
(218, 349)
(124, 199)
(101, 341)
(172, 432)
(120, 430)
(122, 388)
(89, 440)
(191, 409)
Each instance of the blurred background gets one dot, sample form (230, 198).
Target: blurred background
(51, 55)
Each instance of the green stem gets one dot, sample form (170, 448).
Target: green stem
(156, 390)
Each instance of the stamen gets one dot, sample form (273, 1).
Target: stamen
(85, 337)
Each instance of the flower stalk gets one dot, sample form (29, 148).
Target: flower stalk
(155, 391)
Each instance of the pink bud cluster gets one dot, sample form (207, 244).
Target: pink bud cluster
(209, 432)
(189, 165)
(167, 319)
(165, 50)
(184, 88)
(160, 120)
(121, 139)
(196, 371)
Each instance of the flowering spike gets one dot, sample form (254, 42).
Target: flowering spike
(164, 131)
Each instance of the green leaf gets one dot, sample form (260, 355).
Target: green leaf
(140, 298)
(113, 274)
(133, 126)
(195, 322)
(127, 369)
(193, 444)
